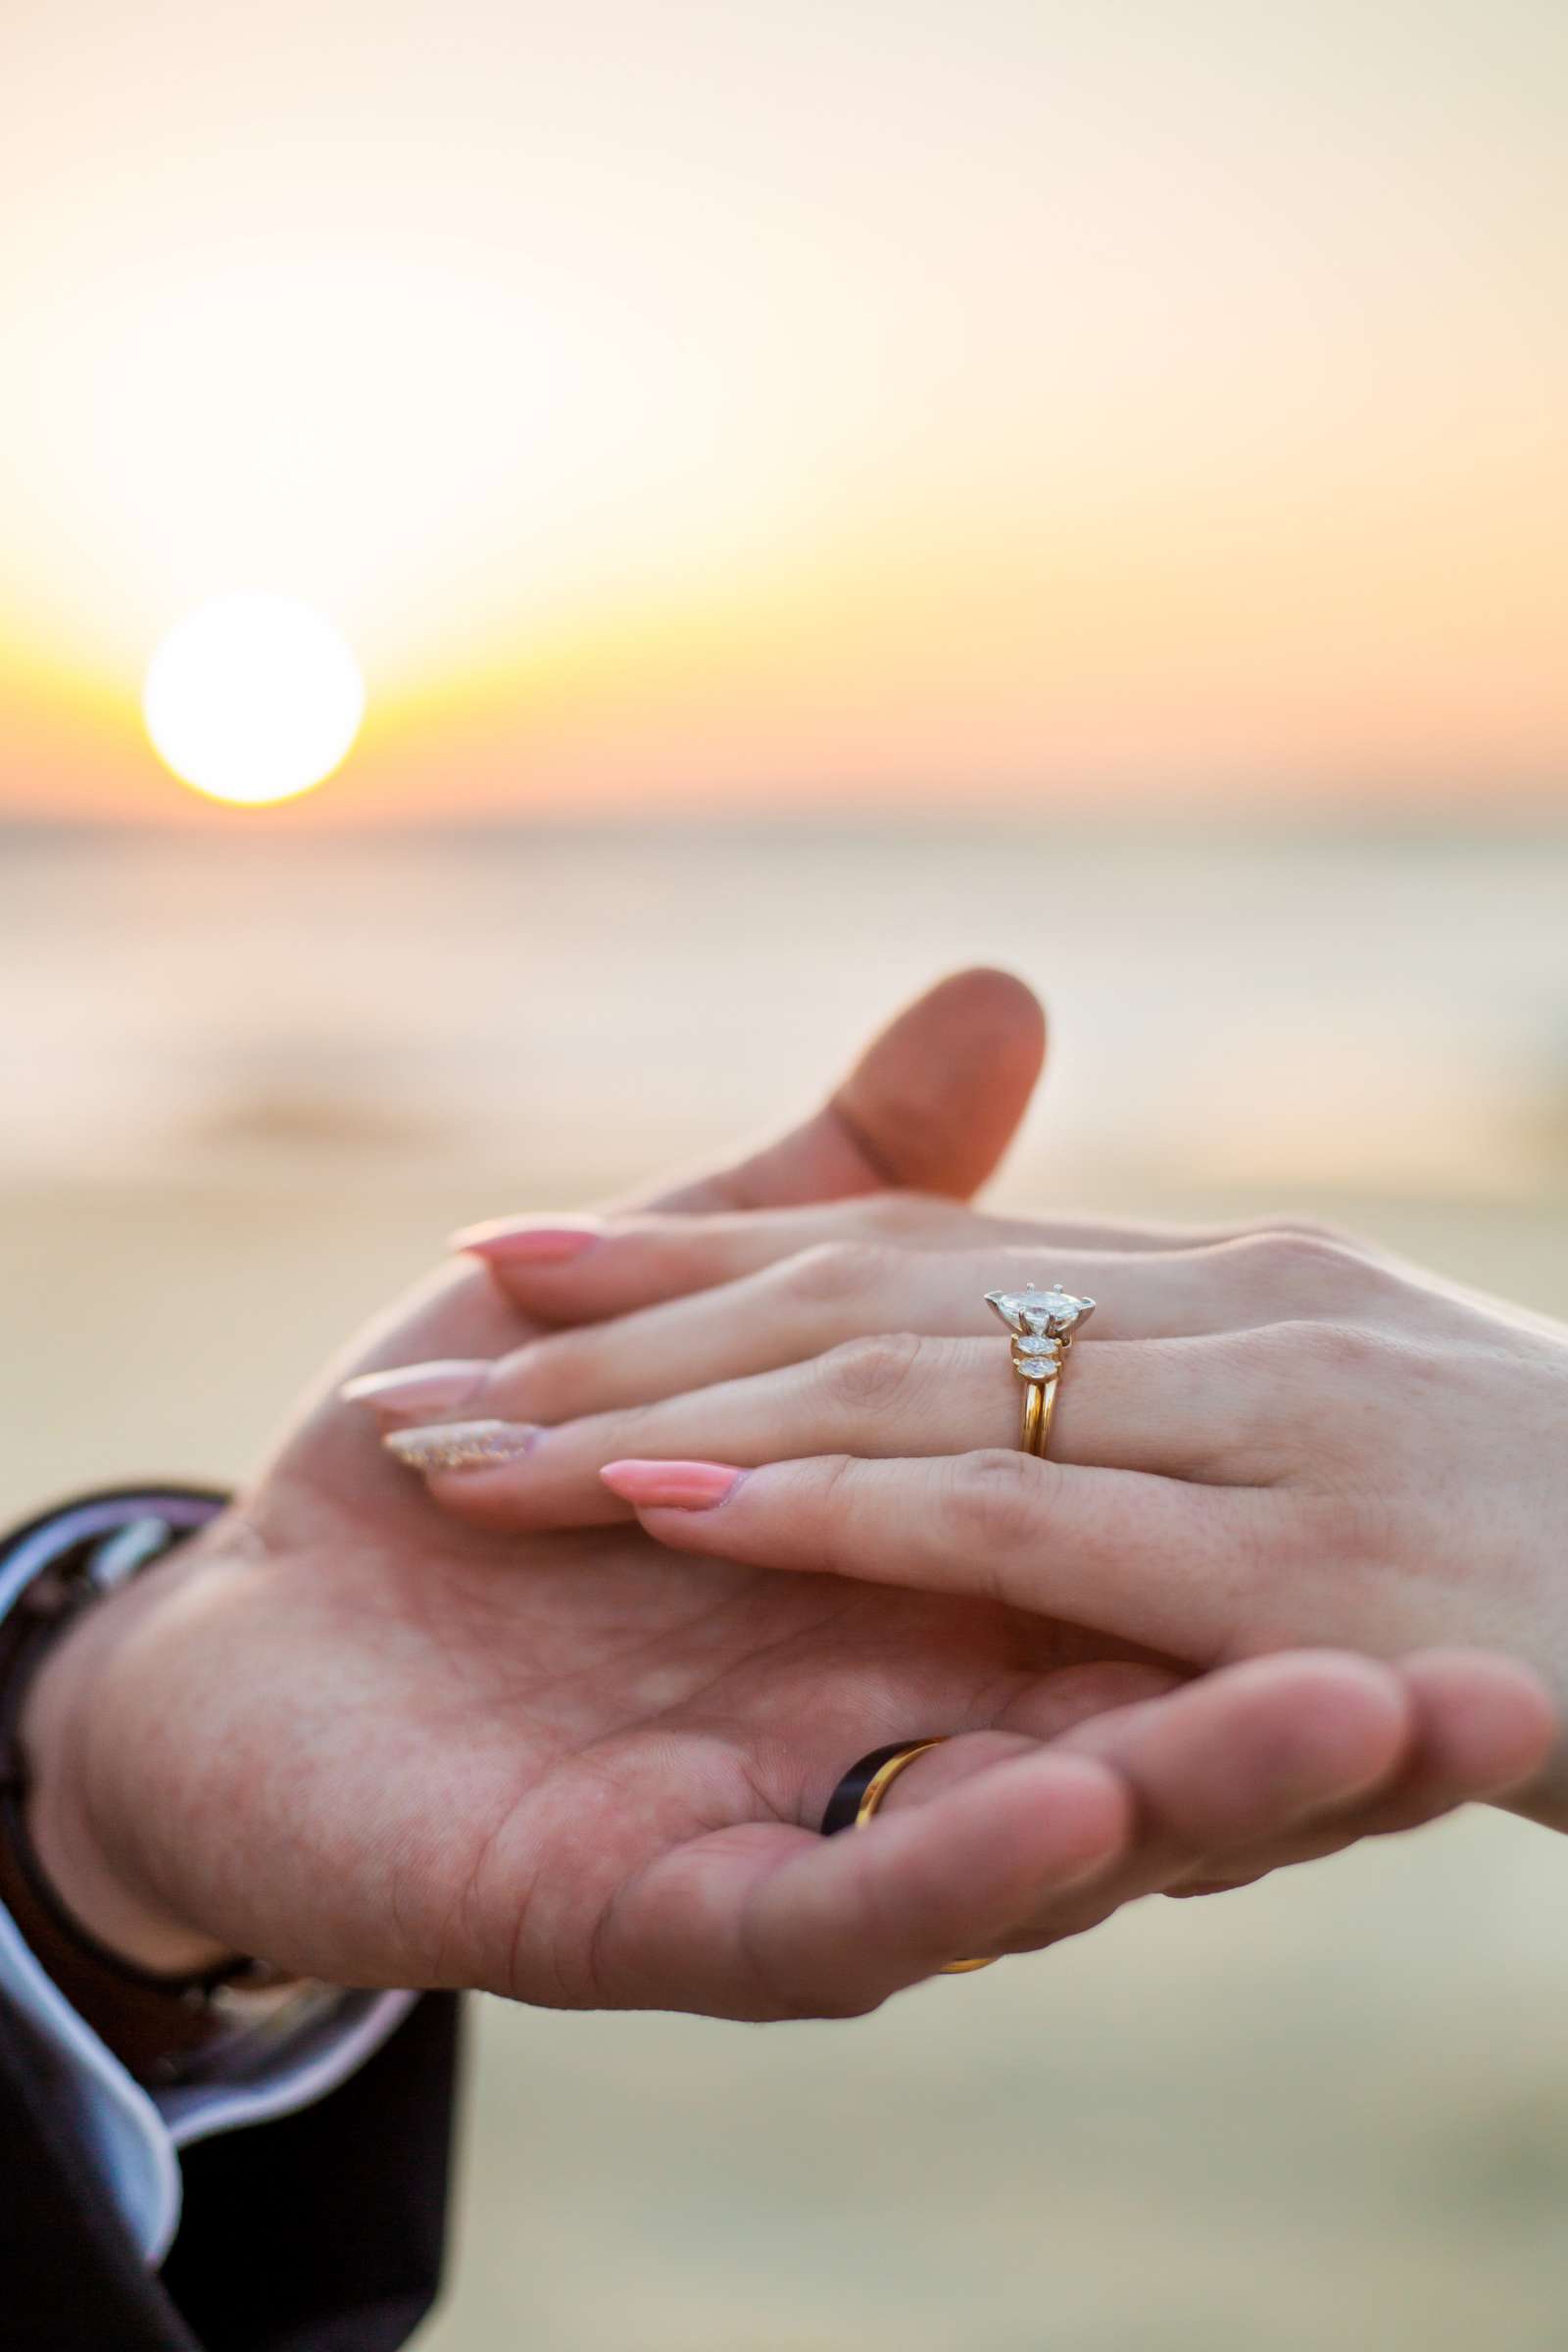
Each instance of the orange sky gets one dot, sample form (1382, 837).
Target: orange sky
(792, 404)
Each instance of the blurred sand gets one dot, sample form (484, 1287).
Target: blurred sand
(1334, 2110)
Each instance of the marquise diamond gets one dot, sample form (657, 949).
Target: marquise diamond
(1044, 1314)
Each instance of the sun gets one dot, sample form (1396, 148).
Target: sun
(253, 697)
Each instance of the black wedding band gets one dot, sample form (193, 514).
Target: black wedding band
(844, 1805)
(858, 1798)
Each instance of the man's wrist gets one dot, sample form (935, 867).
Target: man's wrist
(78, 1776)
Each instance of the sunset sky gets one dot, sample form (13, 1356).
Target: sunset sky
(790, 404)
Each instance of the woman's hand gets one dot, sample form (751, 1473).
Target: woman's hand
(1263, 1439)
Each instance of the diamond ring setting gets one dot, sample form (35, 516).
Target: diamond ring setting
(1043, 1324)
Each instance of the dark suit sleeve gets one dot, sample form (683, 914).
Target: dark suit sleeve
(320, 2232)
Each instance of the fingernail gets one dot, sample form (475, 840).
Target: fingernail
(520, 1241)
(459, 1445)
(672, 1485)
(416, 1388)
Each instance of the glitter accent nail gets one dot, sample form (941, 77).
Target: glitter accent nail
(461, 1445)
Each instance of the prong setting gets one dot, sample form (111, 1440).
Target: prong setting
(1037, 1316)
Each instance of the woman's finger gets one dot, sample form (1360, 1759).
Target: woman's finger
(580, 1270)
(1164, 1562)
(1188, 1408)
(803, 1305)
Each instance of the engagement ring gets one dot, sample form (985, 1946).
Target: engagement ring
(1041, 1324)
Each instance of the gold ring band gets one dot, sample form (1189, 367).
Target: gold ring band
(871, 1804)
(1039, 1412)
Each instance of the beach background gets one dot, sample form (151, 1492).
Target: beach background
(558, 565)
(244, 1096)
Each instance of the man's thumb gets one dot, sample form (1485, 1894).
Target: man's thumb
(931, 1106)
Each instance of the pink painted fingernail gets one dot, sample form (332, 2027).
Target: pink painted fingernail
(416, 1388)
(522, 1241)
(672, 1485)
(461, 1445)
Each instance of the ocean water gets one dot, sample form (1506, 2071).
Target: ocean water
(1374, 1012)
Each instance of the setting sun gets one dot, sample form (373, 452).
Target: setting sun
(253, 697)
(1087, 404)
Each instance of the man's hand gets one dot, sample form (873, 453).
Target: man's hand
(347, 1733)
